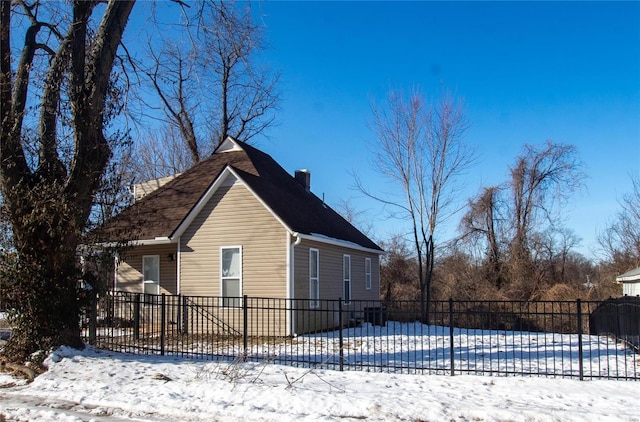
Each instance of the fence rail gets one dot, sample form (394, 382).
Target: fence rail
(464, 337)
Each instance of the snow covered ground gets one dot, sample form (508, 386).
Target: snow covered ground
(94, 385)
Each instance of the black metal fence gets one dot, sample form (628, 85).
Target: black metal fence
(471, 337)
(618, 317)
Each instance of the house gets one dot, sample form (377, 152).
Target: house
(630, 282)
(238, 224)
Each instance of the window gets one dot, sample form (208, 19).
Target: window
(150, 278)
(231, 276)
(346, 277)
(314, 278)
(367, 273)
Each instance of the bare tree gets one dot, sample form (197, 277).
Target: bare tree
(519, 222)
(398, 273)
(621, 239)
(420, 149)
(175, 80)
(458, 278)
(247, 92)
(52, 160)
(354, 216)
(210, 85)
(113, 194)
(551, 252)
(160, 155)
(484, 225)
(541, 179)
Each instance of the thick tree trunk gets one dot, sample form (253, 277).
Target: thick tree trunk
(49, 206)
(42, 287)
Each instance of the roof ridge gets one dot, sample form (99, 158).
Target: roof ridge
(161, 212)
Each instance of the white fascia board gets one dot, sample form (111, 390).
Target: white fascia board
(337, 242)
(633, 275)
(628, 278)
(228, 171)
(139, 242)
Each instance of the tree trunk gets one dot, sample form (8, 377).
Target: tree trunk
(49, 206)
(425, 291)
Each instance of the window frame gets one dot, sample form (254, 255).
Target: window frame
(314, 282)
(346, 279)
(367, 273)
(148, 298)
(230, 301)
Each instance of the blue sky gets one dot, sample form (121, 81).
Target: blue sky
(528, 72)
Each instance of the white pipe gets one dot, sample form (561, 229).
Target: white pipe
(291, 282)
(115, 271)
(178, 262)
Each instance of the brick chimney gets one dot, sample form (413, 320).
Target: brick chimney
(304, 178)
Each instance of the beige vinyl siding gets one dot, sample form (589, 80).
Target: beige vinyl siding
(331, 284)
(129, 272)
(234, 217)
(331, 272)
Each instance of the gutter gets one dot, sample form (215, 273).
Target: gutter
(338, 242)
(156, 241)
(621, 279)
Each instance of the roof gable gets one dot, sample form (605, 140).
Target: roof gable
(228, 145)
(228, 177)
(165, 212)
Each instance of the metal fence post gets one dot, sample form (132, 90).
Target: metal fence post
(451, 352)
(163, 318)
(93, 319)
(185, 315)
(580, 354)
(245, 323)
(136, 317)
(618, 332)
(178, 313)
(341, 341)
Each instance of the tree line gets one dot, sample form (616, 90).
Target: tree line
(511, 242)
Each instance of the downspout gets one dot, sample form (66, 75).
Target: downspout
(178, 266)
(379, 276)
(291, 279)
(115, 271)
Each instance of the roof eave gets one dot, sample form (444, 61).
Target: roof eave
(628, 278)
(337, 242)
(139, 242)
(633, 275)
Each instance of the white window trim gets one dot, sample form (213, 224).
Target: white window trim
(367, 273)
(347, 279)
(157, 283)
(222, 297)
(314, 303)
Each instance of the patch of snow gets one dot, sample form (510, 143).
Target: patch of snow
(98, 385)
